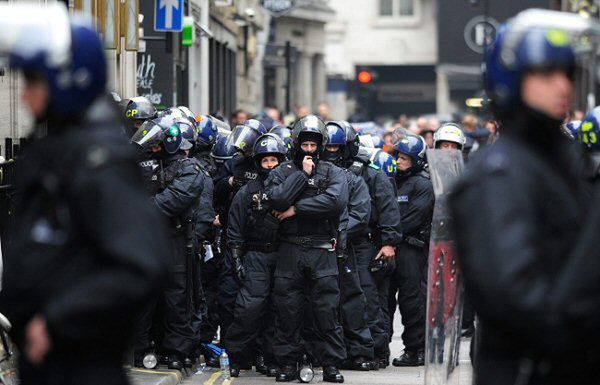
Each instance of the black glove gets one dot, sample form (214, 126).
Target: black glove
(240, 273)
(238, 183)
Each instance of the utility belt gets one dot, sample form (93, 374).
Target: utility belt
(312, 243)
(268, 247)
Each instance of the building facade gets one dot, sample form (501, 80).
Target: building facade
(394, 41)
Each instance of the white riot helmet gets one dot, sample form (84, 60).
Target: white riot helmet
(449, 132)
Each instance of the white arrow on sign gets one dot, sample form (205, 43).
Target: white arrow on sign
(169, 5)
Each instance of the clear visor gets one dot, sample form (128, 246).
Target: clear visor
(149, 135)
(243, 138)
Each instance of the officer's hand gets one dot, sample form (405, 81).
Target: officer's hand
(217, 221)
(231, 181)
(308, 165)
(240, 272)
(387, 252)
(37, 340)
(290, 212)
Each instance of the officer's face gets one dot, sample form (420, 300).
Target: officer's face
(404, 162)
(269, 162)
(550, 92)
(35, 96)
(448, 146)
(309, 146)
(332, 148)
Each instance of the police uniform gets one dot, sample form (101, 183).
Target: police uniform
(243, 170)
(307, 260)
(384, 229)
(183, 181)
(252, 235)
(415, 201)
(86, 251)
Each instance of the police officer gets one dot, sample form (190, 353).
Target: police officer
(137, 111)
(359, 343)
(383, 234)
(415, 200)
(532, 329)
(252, 240)
(310, 195)
(235, 173)
(180, 186)
(449, 137)
(86, 249)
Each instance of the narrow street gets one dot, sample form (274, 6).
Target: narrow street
(392, 375)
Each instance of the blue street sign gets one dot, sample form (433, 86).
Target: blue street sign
(168, 15)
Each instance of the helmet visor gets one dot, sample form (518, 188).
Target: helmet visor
(243, 138)
(148, 135)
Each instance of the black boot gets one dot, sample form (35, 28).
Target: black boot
(358, 363)
(384, 362)
(259, 364)
(287, 373)
(332, 374)
(234, 370)
(272, 370)
(175, 362)
(188, 362)
(410, 358)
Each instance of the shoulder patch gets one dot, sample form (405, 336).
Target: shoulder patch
(374, 166)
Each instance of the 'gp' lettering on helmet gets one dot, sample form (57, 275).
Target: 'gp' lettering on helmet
(131, 113)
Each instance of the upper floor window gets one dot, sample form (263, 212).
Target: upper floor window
(397, 8)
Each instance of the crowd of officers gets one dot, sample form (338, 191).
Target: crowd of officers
(296, 243)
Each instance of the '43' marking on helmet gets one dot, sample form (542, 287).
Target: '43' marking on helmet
(243, 145)
(587, 133)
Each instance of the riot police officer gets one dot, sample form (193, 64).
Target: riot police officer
(415, 200)
(377, 248)
(86, 249)
(181, 181)
(236, 172)
(359, 342)
(137, 111)
(252, 240)
(449, 137)
(311, 195)
(533, 328)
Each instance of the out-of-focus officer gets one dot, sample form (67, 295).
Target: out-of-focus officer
(519, 254)
(86, 250)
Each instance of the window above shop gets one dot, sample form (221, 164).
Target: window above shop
(397, 8)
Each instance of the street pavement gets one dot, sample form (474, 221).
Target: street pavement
(392, 375)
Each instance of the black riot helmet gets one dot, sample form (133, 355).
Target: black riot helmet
(309, 128)
(159, 132)
(140, 108)
(243, 138)
(352, 141)
(256, 124)
(269, 144)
